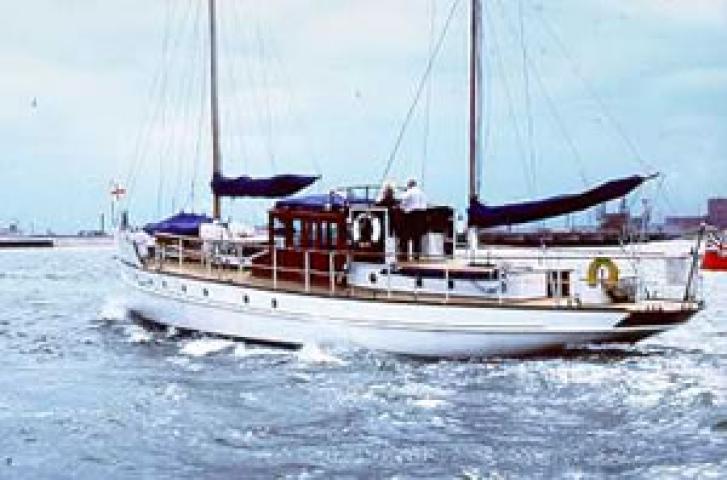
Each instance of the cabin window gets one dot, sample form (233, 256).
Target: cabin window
(184, 288)
(283, 229)
(164, 284)
(491, 275)
(297, 231)
(312, 232)
(245, 299)
(450, 284)
(333, 235)
(205, 292)
(323, 237)
(320, 235)
(372, 278)
(419, 282)
(274, 303)
(559, 283)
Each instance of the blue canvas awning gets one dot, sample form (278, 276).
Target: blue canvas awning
(323, 201)
(278, 186)
(484, 216)
(180, 224)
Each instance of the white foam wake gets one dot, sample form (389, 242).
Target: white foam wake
(138, 334)
(114, 309)
(242, 351)
(311, 353)
(205, 346)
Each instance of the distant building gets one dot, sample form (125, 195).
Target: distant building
(615, 222)
(717, 212)
(678, 225)
(11, 229)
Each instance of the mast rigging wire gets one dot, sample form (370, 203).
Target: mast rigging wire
(296, 118)
(528, 101)
(144, 135)
(428, 102)
(504, 80)
(570, 143)
(591, 91)
(419, 91)
(184, 128)
(266, 95)
(234, 115)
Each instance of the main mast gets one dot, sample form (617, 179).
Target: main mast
(214, 104)
(475, 89)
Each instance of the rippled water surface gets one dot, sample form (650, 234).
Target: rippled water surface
(85, 393)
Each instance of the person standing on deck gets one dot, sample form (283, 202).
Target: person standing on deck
(414, 206)
(387, 199)
(387, 195)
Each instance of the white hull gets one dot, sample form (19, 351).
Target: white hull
(404, 328)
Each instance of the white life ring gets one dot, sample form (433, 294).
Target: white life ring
(375, 229)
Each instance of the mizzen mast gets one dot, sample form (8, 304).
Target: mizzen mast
(475, 104)
(214, 109)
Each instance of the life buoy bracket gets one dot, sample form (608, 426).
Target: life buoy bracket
(596, 265)
(366, 229)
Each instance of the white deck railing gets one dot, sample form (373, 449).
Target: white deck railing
(226, 256)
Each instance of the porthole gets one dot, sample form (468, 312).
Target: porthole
(274, 303)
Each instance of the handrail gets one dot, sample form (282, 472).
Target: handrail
(490, 261)
(335, 274)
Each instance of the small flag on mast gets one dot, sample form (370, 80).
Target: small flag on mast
(117, 191)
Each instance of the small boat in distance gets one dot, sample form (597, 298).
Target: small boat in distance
(343, 268)
(13, 237)
(715, 254)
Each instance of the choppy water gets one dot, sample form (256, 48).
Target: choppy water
(86, 394)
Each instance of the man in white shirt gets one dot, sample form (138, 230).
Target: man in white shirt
(413, 198)
(414, 205)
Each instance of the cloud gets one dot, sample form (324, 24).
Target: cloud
(329, 82)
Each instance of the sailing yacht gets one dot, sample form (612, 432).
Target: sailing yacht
(333, 269)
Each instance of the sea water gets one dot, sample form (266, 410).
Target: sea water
(86, 394)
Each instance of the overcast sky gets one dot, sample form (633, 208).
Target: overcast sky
(98, 91)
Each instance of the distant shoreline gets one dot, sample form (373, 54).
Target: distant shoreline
(55, 241)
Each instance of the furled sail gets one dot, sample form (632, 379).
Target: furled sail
(277, 186)
(484, 216)
(179, 224)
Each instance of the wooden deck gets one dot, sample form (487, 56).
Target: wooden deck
(244, 278)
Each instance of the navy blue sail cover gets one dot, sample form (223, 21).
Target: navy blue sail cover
(180, 224)
(484, 216)
(277, 186)
(313, 202)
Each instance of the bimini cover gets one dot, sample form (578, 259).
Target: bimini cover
(334, 200)
(180, 224)
(325, 201)
(278, 186)
(484, 216)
